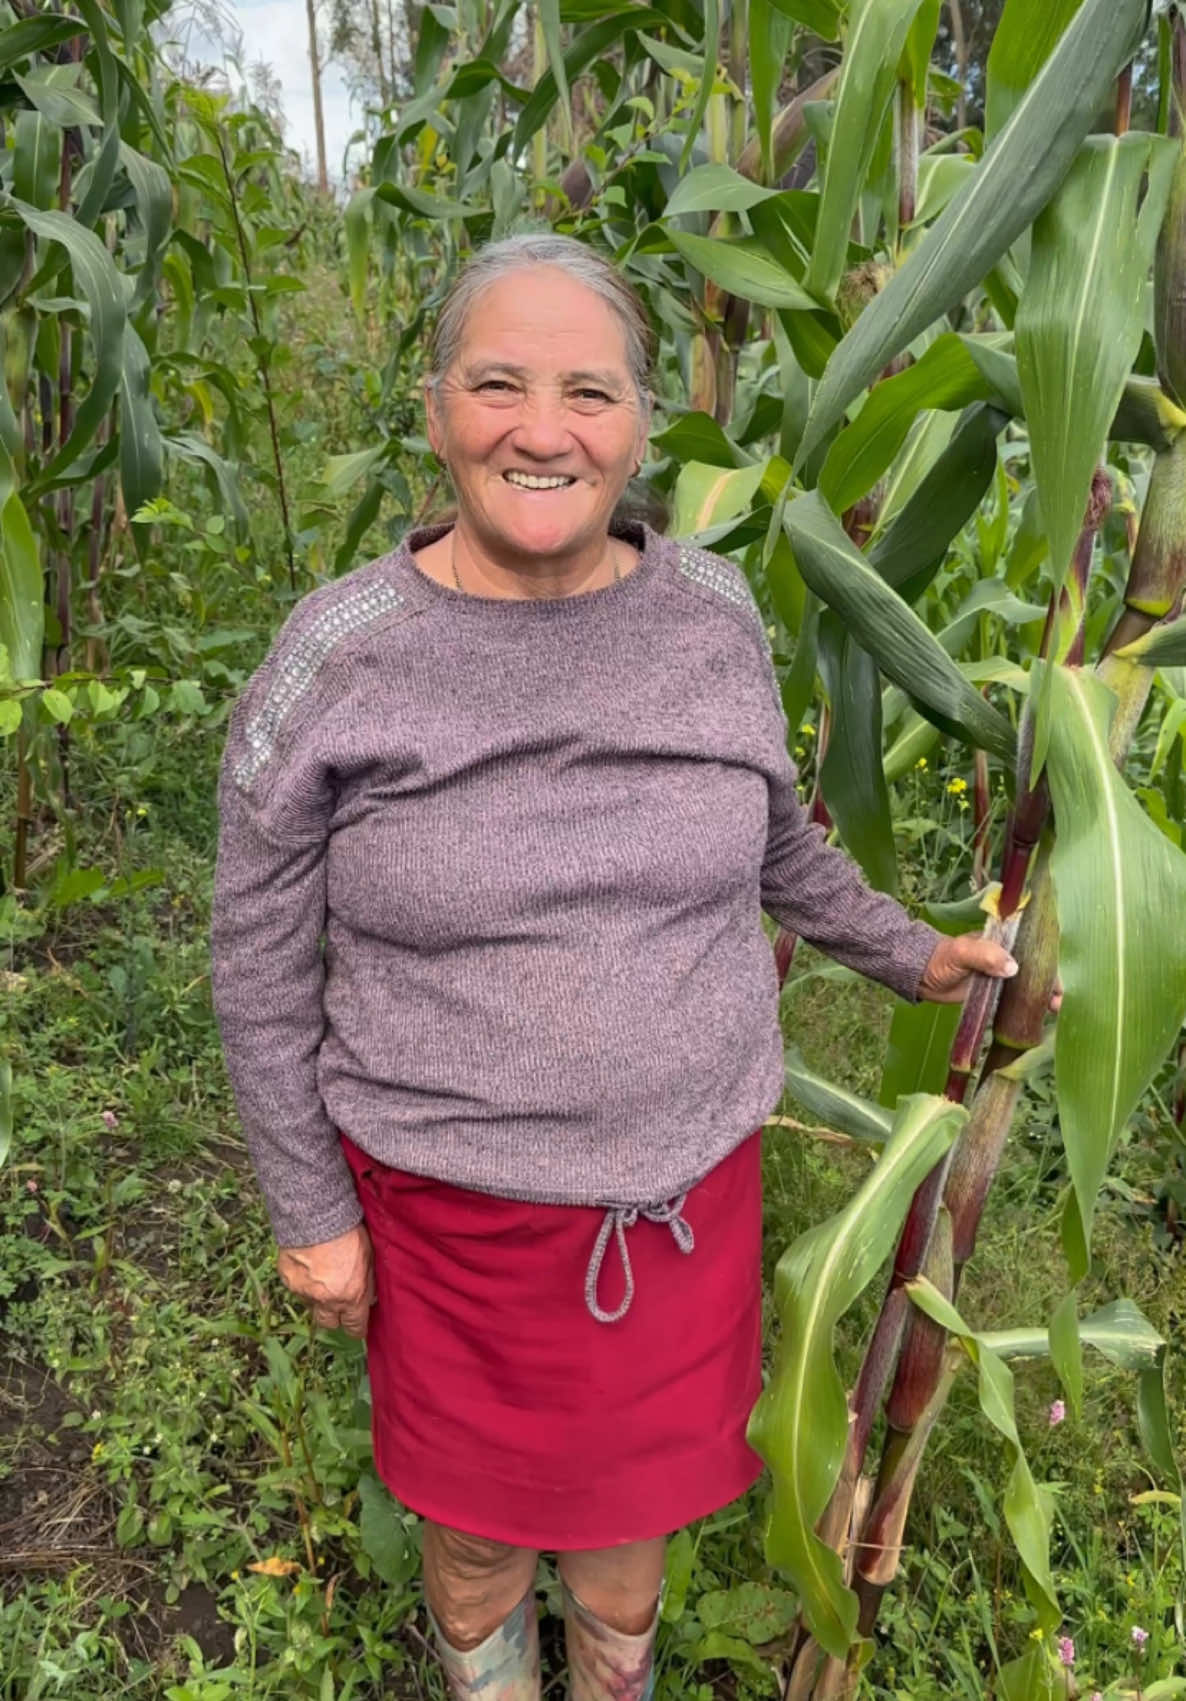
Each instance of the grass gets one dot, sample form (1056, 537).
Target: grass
(187, 1508)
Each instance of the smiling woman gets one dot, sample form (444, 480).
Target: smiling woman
(538, 406)
(528, 777)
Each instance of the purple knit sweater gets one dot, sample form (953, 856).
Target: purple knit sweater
(537, 837)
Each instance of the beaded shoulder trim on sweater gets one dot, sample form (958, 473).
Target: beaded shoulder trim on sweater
(297, 671)
(715, 574)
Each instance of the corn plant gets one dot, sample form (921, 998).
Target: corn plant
(913, 375)
(139, 221)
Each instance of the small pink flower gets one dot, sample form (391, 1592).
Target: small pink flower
(1066, 1651)
(32, 1185)
(110, 1120)
(1139, 1636)
(1058, 1412)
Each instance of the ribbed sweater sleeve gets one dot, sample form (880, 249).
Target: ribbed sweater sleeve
(268, 978)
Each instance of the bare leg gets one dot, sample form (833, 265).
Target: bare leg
(611, 1600)
(481, 1600)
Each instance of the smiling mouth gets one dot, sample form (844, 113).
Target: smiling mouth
(537, 481)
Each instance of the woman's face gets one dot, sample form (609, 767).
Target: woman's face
(538, 419)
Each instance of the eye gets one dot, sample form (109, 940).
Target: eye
(500, 384)
(590, 395)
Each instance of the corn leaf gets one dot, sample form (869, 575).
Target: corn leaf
(877, 35)
(1116, 879)
(916, 59)
(920, 1040)
(36, 160)
(904, 649)
(35, 35)
(1025, 38)
(743, 268)
(821, 17)
(914, 545)
(708, 77)
(22, 617)
(851, 775)
(96, 276)
(356, 222)
(1164, 645)
(1119, 1332)
(706, 496)
(800, 1423)
(769, 38)
(1010, 186)
(154, 204)
(53, 94)
(1081, 317)
(835, 1106)
(549, 20)
(715, 189)
(141, 450)
(1027, 1507)
(947, 376)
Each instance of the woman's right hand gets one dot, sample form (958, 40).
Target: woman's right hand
(336, 1277)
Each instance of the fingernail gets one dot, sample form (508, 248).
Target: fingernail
(1011, 967)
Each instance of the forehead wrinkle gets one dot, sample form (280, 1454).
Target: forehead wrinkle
(482, 368)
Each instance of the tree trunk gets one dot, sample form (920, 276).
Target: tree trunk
(318, 116)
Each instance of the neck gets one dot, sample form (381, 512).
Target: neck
(484, 572)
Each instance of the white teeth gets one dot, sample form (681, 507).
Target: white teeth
(530, 481)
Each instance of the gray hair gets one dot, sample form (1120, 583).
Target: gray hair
(514, 253)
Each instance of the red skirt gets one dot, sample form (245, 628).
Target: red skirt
(502, 1407)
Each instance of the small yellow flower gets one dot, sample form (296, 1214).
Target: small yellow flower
(97, 1450)
(807, 730)
(963, 803)
(957, 787)
(921, 764)
(800, 752)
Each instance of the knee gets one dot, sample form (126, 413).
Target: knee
(471, 1583)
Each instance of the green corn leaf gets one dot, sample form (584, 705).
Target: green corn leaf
(1027, 1507)
(851, 775)
(743, 268)
(591, 44)
(51, 91)
(798, 685)
(154, 204)
(916, 59)
(834, 1105)
(141, 450)
(1119, 1332)
(914, 545)
(1164, 645)
(1116, 879)
(35, 35)
(96, 276)
(222, 474)
(549, 21)
(698, 437)
(22, 616)
(878, 30)
(769, 38)
(948, 376)
(1026, 36)
(800, 1423)
(904, 649)
(707, 496)
(715, 189)
(356, 222)
(920, 1040)
(821, 17)
(1010, 186)
(708, 77)
(1081, 317)
(36, 159)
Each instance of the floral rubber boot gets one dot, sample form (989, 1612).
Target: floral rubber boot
(605, 1664)
(505, 1667)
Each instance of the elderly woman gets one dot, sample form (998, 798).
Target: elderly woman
(527, 777)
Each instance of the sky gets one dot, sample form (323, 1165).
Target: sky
(276, 30)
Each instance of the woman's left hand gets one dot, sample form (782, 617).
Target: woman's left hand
(947, 978)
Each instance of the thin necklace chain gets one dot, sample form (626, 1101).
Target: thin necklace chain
(457, 576)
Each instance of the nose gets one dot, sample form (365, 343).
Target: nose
(542, 430)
